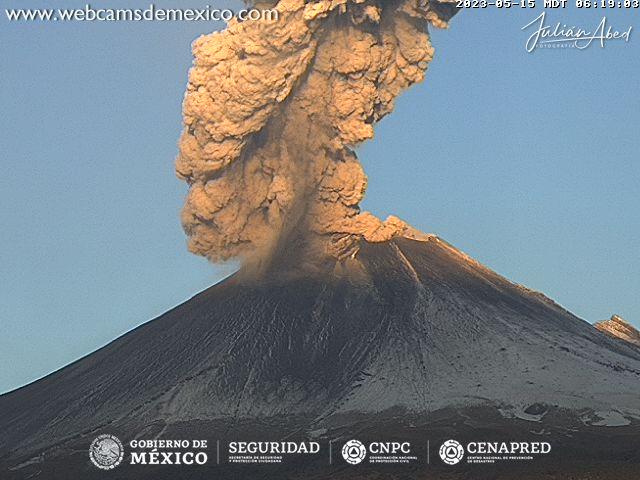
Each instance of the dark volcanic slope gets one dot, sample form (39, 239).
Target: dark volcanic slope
(414, 324)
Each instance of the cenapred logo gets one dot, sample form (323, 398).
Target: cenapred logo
(354, 452)
(106, 452)
(451, 452)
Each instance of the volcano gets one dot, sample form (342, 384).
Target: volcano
(408, 337)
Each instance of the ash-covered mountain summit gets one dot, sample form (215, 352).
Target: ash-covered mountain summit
(618, 327)
(405, 329)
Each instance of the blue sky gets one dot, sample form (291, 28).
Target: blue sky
(528, 162)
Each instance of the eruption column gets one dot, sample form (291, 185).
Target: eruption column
(272, 112)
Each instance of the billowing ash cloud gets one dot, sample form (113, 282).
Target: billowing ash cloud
(272, 112)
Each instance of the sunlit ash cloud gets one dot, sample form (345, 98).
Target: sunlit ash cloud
(272, 113)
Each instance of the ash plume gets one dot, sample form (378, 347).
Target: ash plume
(272, 112)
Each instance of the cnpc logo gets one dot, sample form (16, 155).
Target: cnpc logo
(354, 451)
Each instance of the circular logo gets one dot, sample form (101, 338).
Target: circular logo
(354, 452)
(451, 452)
(106, 452)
